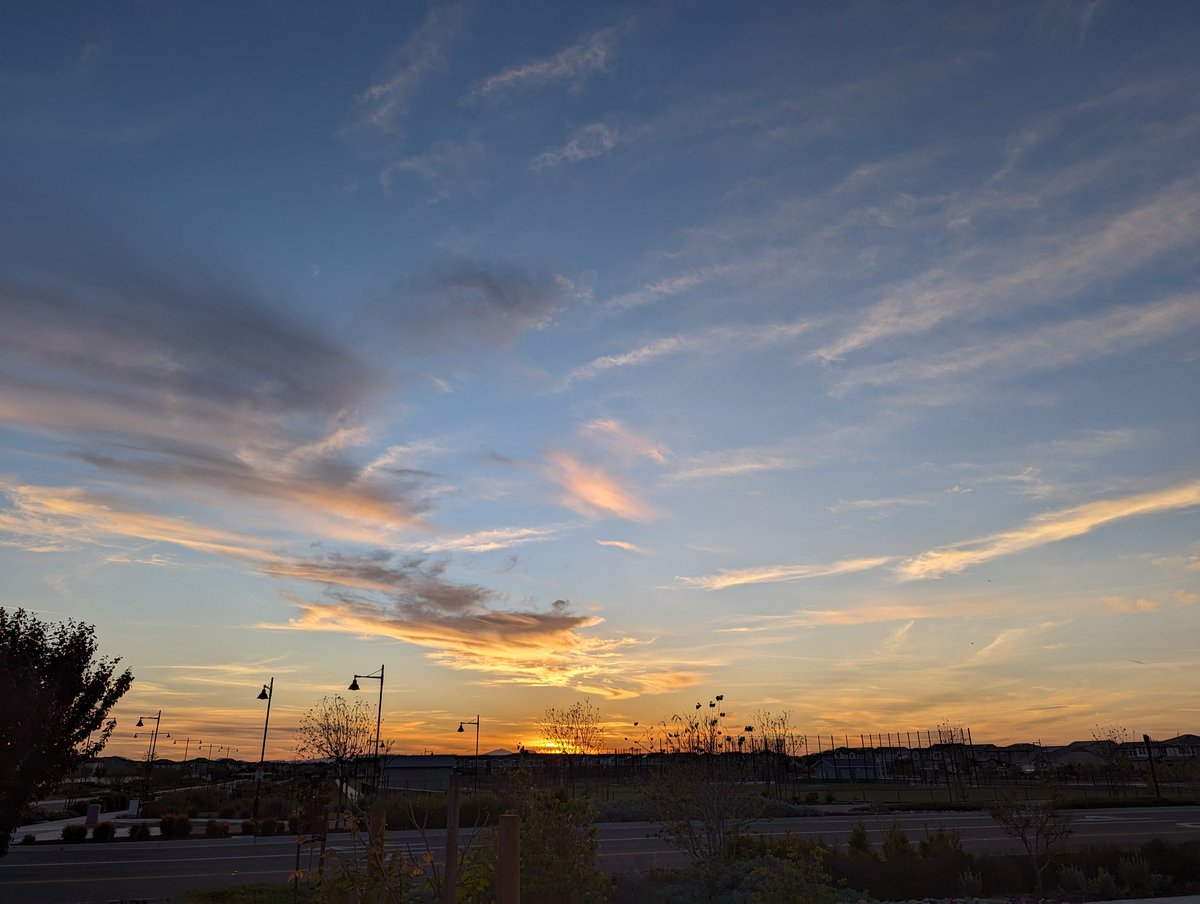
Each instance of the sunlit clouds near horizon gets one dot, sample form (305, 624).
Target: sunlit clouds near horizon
(841, 361)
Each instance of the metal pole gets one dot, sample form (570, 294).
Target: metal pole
(378, 722)
(476, 753)
(263, 753)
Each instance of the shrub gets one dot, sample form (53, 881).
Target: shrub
(215, 829)
(175, 825)
(269, 825)
(940, 844)
(249, 827)
(812, 797)
(29, 838)
(1134, 873)
(859, 844)
(104, 831)
(1102, 885)
(1071, 878)
(970, 884)
(139, 831)
(896, 846)
(75, 833)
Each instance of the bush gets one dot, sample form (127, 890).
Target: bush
(104, 831)
(75, 833)
(1071, 878)
(215, 829)
(940, 844)
(175, 825)
(896, 846)
(249, 827)
(29, 838)
(1102, 885)
(268, 825)
(859, 844)
(970, 884)
(139, 831)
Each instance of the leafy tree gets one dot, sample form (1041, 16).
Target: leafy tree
(559, 845)
(55, 696)
(337, 731)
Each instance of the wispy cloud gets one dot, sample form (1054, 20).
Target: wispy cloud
(585, 143)
(448, 168)
(497, 538)
(775, 574)
(470, 303)
(385, 103)
(1052, 268)
(859, 505)
(618, 438)
(621, 544)
(594, 493)
(1046, 528)
(573, 64)
(1047, 348)
(726, 339)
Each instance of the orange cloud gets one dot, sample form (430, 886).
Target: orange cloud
(593, 493)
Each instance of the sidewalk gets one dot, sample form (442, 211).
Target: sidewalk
(52, 829)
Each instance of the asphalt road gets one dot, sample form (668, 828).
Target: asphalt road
(158, 870)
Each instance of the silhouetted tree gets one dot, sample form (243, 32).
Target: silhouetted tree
(55, 696)
(574, 731)
(337, 731)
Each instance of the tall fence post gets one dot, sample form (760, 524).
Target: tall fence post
(508, 870)
(450, 883)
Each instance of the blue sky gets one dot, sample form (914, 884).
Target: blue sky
(839, 359)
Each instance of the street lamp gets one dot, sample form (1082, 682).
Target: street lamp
(474, 722)
(153, 744)
(378, 714)
(264, 694)
(187, 742)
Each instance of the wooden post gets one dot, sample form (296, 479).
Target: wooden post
(508, 870)
(450, 882)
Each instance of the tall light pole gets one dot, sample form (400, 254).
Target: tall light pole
(187, 742)
(153, 744)
(266, 693)
(474, 722)
(378, 714)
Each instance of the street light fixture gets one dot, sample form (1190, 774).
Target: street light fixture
(474, 722)
(378, 714)
(265, 694)
(187, 742)
(153, 744)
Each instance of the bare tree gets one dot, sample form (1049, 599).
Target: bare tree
(1038, 824)
(699, 796)
(574, 731)
(338, 731)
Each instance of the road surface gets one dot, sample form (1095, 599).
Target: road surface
(157, 870)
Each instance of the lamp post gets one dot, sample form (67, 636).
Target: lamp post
(474, 722)
(378, 714)
(187, 742)
(153, 744)
(265, 694)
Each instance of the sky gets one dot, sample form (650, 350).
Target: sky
(841, 359)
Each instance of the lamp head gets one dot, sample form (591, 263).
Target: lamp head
(140, 723)
(354, 684)
(460, 726)
(263, 695)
